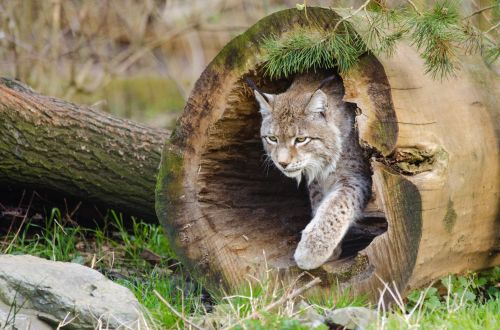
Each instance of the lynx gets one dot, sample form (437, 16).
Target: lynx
(308, 132)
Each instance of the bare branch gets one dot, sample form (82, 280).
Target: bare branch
(492, 28)
(414, 6)
(477, 12)
(362, 7)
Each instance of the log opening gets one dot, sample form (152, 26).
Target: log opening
(250, 204)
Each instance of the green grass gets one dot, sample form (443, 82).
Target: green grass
(117, 251)
(471, 301)
(182, 295)
(50, 240)
(467, 316)
(123, 253)
(339, 299)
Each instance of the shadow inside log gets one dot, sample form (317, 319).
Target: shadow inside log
(252, 206)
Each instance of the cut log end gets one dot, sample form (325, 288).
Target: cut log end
(229, 212)
(238, 214)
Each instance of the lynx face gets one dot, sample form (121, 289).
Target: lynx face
(299, 133)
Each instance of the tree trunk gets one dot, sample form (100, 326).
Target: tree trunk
(77, 152)
(435, 172)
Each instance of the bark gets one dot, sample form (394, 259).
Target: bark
(77, 152)
(435, 172)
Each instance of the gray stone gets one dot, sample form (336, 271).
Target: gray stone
(27, 319)
(63, 291)
(352, 317)
(308, 316)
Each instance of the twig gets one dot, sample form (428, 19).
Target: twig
(305, 9)
(137, 54)
(492, 28)
(414, 7)
(65, 321)
(176, 312)
(21, 225)
(13, 219)
(479, 11)
(69, 215)
(363, 6)
(278, 302)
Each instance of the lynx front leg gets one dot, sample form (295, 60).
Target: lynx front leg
(323, 234)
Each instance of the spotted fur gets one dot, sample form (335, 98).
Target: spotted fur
(309, 133)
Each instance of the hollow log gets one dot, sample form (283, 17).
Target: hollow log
(435, 162)
(65, 151)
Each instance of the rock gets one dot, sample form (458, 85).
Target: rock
(308, 315)
(61, 291)
(352, 317)
(11, 318)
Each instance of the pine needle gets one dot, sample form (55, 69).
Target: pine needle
(436, 34)
(311, 50)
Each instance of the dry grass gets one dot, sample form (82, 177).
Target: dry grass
(76, 49)
(68, 47)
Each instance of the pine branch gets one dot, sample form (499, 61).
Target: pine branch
(492, 54)
(474, 41)
(435, 35)
(382, 32)
(439, 33)
(310, 50)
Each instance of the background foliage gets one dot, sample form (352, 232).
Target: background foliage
(140, 59)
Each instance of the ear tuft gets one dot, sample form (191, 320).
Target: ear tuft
(264, 102)
(318, 102)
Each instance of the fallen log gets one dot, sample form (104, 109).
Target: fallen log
(435, 168)
(76, 152)
(435, 171)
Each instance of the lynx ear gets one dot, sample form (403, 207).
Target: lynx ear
(317, 103)
(264, 102)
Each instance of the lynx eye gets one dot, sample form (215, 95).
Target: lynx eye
(272, 139)
(301, 140)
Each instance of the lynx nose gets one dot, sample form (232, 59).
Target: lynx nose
(283, 164)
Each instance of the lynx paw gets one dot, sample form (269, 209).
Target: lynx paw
(312, 251)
